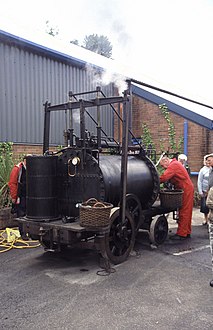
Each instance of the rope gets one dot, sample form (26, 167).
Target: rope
(14, 241)
(106, 271)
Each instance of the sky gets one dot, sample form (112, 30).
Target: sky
(166, 42)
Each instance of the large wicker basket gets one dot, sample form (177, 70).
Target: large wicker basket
(171, 198)
(94, 214)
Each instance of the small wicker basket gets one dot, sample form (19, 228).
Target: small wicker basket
(171, 198)
(94, 213)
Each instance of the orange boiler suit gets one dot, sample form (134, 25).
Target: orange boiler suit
(14, 180)
(178, 176)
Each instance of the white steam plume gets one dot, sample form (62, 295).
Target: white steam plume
(106, 77)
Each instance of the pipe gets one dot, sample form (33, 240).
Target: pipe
(46, 127)
(161, 156)
(98, 118)
(167, 92)
(130, 111)
(124, 157)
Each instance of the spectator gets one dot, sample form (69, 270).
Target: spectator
(209, 203)
(209, 159)
(178, 176)
(202, 185)
(183, 160)
(17, 186)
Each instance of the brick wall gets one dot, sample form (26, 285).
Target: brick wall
(118, 123)
(20, 149)
(200, 139)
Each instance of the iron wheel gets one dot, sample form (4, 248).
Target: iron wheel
(121, 237)
(158, 230)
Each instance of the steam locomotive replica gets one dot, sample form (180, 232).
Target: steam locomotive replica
(116, 174)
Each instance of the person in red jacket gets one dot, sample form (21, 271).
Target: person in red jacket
(17, 186)
(179, 177)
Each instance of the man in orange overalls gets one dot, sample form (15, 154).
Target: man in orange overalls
(178, 176)
(17, 186)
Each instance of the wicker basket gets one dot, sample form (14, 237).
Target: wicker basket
(94, 213)
(171, 198)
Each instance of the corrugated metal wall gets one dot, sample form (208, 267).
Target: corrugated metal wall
(29, 79)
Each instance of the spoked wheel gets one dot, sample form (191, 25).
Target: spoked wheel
(121, 237)
(158, 230)
(133, 206)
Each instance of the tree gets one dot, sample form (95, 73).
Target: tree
(75, 42)
(98, 44)
(53, 31)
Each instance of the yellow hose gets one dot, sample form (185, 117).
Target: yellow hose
(15, 242)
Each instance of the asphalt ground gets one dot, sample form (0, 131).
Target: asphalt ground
(156, 288)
